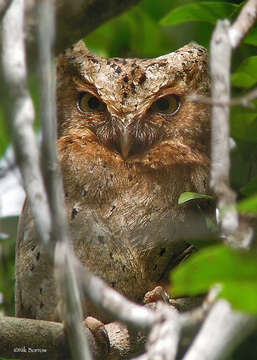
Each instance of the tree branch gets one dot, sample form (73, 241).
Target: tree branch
(243, 24)
(112, 302)
(19, 109)
(244, 100)
(3, 7)
(47, 340)
(164, 337)
(222, 331)
(220, 59)
(75, 19)
(71, 310)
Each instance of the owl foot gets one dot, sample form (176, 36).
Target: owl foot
(99, 332)
(158, 293)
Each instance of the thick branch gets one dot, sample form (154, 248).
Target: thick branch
(47, 340)
(75, 19)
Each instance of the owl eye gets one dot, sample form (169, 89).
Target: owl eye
(166, 105)
(89, 103)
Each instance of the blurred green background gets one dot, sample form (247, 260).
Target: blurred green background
(150, 29)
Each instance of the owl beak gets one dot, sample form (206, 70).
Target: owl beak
(125, 143)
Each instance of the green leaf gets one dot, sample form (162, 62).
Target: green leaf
(5, 138)
(232, 269)
(251, 38)
(246, 74)
(187, 196)
(242, 295)
(244, 124)
(248, 205)
(250, 188)
(208, 12)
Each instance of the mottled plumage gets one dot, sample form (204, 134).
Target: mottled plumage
(129, 144)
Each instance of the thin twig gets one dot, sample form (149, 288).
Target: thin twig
(65, 275)
(243, 24)
(252, 95)
(244, 101)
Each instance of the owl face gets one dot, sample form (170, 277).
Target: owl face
(132, 106)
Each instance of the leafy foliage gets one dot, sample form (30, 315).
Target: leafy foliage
(248, 205)
(235, 271)
(246, 75)
(199, 11)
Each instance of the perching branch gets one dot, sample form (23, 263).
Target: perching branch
(47, 340)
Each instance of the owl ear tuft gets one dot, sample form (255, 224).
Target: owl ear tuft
(76, 49)
(72, 60)
(79, 46)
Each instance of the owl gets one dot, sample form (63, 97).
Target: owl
(130, 141)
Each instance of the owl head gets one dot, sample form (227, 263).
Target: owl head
(132, 105)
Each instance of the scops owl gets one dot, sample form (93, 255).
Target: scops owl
(130, 142)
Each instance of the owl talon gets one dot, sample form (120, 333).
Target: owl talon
(158, 293)
(98, 330)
